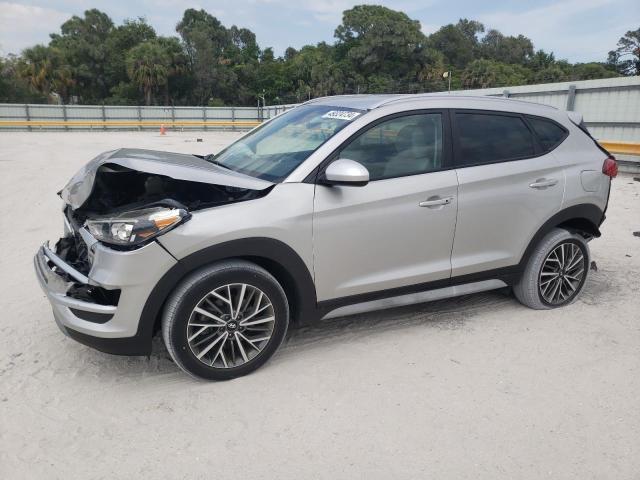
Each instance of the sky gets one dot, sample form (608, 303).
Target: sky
(576, 30)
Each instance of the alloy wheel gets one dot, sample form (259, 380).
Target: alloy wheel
(562, 274)
(230, 325)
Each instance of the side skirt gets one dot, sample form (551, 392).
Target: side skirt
(413, 298)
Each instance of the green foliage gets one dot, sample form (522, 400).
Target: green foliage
(13, 86)
(458, 43)
(120, 40)
(626, 58)
(376, 50)
(148, 67)
(383, 48)
(45, 71)
(83, 45)
(215, 102)
(484, 73)
(517, 50)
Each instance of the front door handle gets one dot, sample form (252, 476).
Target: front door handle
(436, 202)
(543, 183)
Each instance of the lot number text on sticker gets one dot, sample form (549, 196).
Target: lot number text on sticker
(341, 115)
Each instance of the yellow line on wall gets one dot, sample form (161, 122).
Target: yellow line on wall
(625, 148)
(126, 123)
(628, 148)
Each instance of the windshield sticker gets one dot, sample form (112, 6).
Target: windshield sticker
(341, 115)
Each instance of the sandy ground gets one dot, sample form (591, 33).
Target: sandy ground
(477, 387)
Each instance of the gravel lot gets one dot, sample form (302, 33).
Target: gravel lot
(476, 387)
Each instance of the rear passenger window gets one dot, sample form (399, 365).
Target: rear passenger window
(488, 138)
(549, 133)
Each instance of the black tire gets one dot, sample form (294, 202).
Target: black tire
(181, 303)
(529, 288)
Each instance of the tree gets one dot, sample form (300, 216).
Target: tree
(553, 73)
(83, 43)
(120, 40)
(458, 43)
(148, 66)
(626, 58)
(590, 71)
(37, 68)
(378, 38)
(207, 42)
(500, 48)
(541, 60)
(484, 73)
(13, 87)
(45, 71)
(376, 50)
(179, 79)
(375, 44)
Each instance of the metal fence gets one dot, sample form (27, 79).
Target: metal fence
(105, 117)
(611, 110)
(610, 107)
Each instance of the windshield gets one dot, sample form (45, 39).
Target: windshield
(272, 151)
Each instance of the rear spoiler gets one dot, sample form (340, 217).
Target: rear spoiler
(575, 117)
(578, 120)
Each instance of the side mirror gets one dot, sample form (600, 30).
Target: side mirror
(346, 172)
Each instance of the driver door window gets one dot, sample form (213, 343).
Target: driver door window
(401, 146)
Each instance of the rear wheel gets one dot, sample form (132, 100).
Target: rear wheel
(225, 320)
(556, 271)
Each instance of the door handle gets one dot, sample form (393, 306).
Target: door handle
(543, 183)
(436, 202)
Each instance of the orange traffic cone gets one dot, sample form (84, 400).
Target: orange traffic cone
(163, 131)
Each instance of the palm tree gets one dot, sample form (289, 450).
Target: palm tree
(37, 68)
(45, 71)
(148, 67)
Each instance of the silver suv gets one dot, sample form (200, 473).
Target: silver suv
(342, 205)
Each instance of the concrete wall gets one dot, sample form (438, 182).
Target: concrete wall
(97, 117)
(611, 106)
(611, 109)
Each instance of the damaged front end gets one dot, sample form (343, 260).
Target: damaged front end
(125, 199)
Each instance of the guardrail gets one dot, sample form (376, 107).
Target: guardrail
(622, 148)
(120, 117)
(141, 124)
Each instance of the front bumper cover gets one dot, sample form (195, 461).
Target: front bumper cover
(135, 273)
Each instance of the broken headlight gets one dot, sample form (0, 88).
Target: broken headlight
(135, 227)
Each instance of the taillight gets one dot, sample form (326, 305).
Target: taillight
(610, 166)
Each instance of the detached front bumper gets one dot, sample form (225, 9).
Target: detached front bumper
(108, 328)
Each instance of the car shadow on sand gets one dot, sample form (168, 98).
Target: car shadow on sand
(446, 314)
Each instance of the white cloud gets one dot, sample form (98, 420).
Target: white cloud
(330, 11)
(22, 26)
(558, 27)
(429, 28)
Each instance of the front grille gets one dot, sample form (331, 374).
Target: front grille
(74, 252)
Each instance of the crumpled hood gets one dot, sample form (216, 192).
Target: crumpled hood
(175, 165)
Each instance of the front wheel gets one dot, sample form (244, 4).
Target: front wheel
(225, 320)
(556, 271)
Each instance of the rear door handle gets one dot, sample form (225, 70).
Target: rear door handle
(436, 202)
(542, 183)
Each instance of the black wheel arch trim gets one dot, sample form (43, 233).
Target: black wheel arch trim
(275, 256)
(569, 217)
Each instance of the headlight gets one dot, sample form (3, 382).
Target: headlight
(133, 228)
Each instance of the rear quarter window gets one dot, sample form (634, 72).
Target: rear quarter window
(549, 133)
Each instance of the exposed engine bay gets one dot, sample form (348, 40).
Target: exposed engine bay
(126, 198)
(117, 188)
